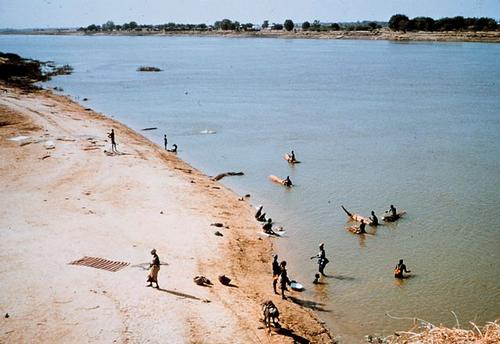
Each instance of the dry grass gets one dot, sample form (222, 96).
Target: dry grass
(427, 333)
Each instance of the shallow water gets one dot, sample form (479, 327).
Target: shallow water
(374, 122)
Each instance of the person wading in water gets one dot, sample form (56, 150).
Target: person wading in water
(399, 269)
(374, 219)
(322, 260)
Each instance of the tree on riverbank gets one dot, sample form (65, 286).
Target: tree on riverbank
(400, 22)
(288, 25)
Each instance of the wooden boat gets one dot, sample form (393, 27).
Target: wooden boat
(278, 180)
(391, 218)
(353, 229)
(357, 217)
(288, 158)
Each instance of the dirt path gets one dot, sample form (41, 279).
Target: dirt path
(58, 205)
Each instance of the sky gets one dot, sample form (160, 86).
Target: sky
(75, 13)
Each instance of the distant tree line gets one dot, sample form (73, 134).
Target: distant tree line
(109, 26)
(400, 22)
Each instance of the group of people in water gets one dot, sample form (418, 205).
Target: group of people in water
(279, 271)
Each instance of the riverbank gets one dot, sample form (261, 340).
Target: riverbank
(378, 34)
(65, 196)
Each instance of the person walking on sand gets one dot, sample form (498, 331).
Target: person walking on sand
(111, 135)
(284, 280)
(322, 260)
(276, 272)
(154, 268)
(165, 141)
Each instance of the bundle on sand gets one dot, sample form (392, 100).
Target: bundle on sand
(490, 333)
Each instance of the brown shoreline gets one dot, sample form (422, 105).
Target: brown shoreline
(44, 226)
(379, 34)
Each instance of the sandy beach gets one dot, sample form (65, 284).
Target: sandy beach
(64, 196)
(378, 34)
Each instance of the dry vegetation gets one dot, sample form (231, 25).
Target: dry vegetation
(424, 332)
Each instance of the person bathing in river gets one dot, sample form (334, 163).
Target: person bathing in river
(258, 214)
(362, 227)
(292, 157)
(322, 260)
(173, 150)
(268, 227)
(276, 272)
(374, 219)
(316, 279)
(399, 269)
(392, 211)
(287, 181)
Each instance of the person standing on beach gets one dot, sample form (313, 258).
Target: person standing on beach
(111, 135)
(165, 141)
(284, 280)
(154, 268)
(276, 272)
(322, 260)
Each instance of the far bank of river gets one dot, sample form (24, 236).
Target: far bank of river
(379, 34)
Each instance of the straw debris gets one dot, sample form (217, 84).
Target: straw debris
(424, 332)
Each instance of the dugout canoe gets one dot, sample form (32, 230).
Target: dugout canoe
(357, 217)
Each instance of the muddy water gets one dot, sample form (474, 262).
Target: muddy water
(416, 125)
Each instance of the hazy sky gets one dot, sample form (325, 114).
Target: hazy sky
(72, 13)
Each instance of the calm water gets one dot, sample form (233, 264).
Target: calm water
(375, 123)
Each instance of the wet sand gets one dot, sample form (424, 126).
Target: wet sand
(60, 204)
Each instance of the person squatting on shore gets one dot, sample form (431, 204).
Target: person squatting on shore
(284, 280)
(111, 135)
(276, 272)
(154, 268)
(322, 260)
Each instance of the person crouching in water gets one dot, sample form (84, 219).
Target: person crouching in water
(284, 280)
(154, 268)
(276, 272)
(268, 227)
(399, 269)
(287, 181)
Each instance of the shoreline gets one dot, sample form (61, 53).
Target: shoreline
(379, 34)
(64, 203)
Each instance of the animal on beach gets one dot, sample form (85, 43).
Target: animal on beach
(271, 314)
